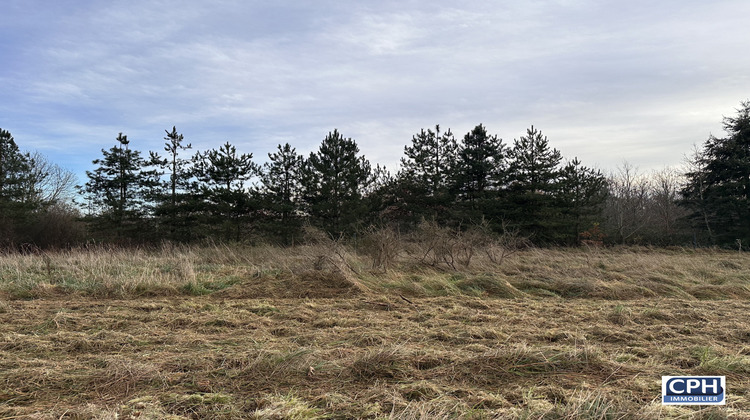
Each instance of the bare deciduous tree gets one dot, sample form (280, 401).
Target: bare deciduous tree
(55, 184)
(665, 193)
(626, 209)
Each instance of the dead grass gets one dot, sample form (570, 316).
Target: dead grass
(548, 334)
(334, 270)
(457, 357)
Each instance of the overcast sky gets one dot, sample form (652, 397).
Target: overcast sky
(606, 81)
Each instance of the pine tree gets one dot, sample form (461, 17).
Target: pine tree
(222, 175)
(18, 196)
(175, 206)
(479, 176)
(533, 178)
(481, 161)
(431, 160)
(427, 174)
(534, 166)
(281, 179)
(333, 181)
(121, 188)
(718, 189)
(15, 170)
(581, 194)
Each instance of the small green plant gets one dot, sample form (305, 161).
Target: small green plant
(195, 288)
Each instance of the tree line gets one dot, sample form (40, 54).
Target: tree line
(456, 182)
(468, 182)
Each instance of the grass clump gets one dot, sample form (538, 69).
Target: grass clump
(620, 315)
(201, 405)
(383, 363)
(286, 407)
(710, 363)
(488, 285)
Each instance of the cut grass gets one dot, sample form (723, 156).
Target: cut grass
(229, 333)
(443, 357)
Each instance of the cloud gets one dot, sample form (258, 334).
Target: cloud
(606, 81)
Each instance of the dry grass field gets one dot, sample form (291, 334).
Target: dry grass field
(317, 332)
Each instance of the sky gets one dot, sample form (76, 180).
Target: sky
(606, 81)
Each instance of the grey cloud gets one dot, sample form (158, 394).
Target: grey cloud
(606, 81)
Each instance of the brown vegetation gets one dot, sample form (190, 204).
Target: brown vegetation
(316, 332)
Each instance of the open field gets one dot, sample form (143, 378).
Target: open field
(315, 332)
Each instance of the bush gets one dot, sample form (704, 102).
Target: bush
(383, 245)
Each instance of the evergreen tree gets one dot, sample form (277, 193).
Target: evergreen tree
(281, 179)
(431, 160)
(718, 189)
(15, 170)
(534, 166)
(222, 174)
(175, 205)
(427, 174)
(532, 184)
(581, 194)
(121, 188)
(481, 164)
(18, 196)
(380, 179)
(379, 198)
(333, 182)
(479, 176)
